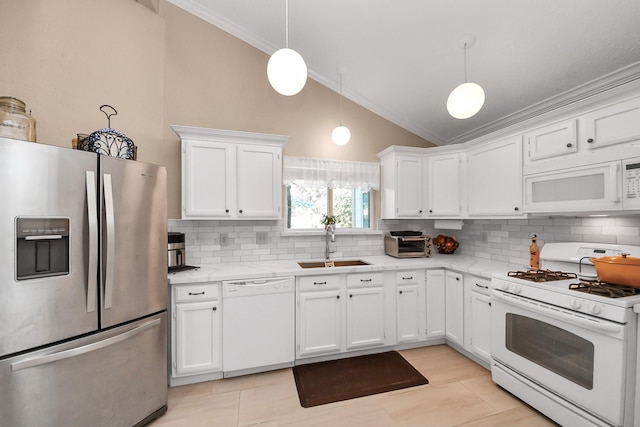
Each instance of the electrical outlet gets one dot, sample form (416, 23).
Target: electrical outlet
(262, 237)
(224, 239)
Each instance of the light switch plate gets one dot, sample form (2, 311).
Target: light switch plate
(224, 239)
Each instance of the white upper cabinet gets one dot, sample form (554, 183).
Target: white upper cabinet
(557, 139)
(207, 179)
(443, 180)
(612, 125)
(403, 183)
(494, 178)
(230, 174)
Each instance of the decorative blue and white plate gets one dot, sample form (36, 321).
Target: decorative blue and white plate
(111, 142)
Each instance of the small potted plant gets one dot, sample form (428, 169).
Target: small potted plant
(328, 221)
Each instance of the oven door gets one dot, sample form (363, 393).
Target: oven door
(577, 357)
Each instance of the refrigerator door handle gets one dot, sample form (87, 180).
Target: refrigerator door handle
(92, 268)
(111, 247)
(66, 354)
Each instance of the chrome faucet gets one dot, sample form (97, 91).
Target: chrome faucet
(330, 234)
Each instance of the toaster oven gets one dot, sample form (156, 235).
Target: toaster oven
(407, 244)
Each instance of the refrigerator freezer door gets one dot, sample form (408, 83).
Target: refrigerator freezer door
(53, 184)
(134, 240)
(115, 378)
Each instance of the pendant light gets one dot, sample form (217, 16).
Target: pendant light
(286, 70)
(468, 98)
(341, 134)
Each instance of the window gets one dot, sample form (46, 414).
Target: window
(317, 187)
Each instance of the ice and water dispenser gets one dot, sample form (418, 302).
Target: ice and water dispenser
(42, 247)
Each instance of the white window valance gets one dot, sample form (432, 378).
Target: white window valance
(331, 173)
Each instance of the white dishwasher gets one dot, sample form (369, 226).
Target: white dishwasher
(258, 325)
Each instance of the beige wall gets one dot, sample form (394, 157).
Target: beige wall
(68, 57)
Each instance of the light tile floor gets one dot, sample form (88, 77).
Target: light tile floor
(460, 393)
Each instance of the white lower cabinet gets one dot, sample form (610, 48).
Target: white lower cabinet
(320, 325)
(481, 326)
(365, 317)
(477, 319)
(454, 307)
(435, 303)
(195, 330)
(410, 306)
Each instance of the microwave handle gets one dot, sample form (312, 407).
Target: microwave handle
(614, 188)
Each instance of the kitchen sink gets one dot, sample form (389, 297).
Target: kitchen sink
(323, 264)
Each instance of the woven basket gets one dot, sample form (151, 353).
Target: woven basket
(444, 250)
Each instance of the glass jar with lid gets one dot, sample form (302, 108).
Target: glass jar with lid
(15, 122)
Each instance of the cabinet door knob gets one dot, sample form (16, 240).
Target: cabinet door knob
(516, 208)
(569, 145)
(240, 211)
(430, 210)
(215, 308)
(590, 140)
(226, 210)
(400, 292)
(338, 296)
(457, 278)
(420, 211)
(350, 295)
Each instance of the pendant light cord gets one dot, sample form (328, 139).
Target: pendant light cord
(340, 101)
(286, 23)
(465, 63)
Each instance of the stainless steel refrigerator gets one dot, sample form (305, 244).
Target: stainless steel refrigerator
(83, 288)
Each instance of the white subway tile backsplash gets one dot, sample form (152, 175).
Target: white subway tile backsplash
(491, 239)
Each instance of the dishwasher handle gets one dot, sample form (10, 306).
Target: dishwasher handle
(258, 283)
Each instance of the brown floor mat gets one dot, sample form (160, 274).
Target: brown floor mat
(336, 380)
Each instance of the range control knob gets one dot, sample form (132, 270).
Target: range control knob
(595, 308)
(575, 303)
(517, 288)
(504, 286)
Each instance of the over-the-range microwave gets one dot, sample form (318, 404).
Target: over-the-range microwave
(602, 187)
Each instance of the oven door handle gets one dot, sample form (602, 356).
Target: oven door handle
(559, 315)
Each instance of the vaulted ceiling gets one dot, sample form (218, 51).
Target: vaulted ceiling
(401, 58)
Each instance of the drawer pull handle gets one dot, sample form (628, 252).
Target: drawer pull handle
(319, 283)
(366, 280)
(408, 278)
(196, 293)
(483, 287)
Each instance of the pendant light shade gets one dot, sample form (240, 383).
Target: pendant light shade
(286, 69)
(468, 98)
(341, 134)
(465, 100)
(287, 72)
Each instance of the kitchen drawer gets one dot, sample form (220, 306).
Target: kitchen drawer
(319, 283)
(199, 292)
(481, 285)
(407, 277)
(365, 280)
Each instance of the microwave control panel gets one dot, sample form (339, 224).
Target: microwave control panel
(631, 184)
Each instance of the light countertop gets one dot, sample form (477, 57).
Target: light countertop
(264, 269)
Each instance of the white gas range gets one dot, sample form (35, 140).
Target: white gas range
(563, 343)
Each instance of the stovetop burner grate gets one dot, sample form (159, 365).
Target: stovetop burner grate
(537, 275)
(604, 289)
